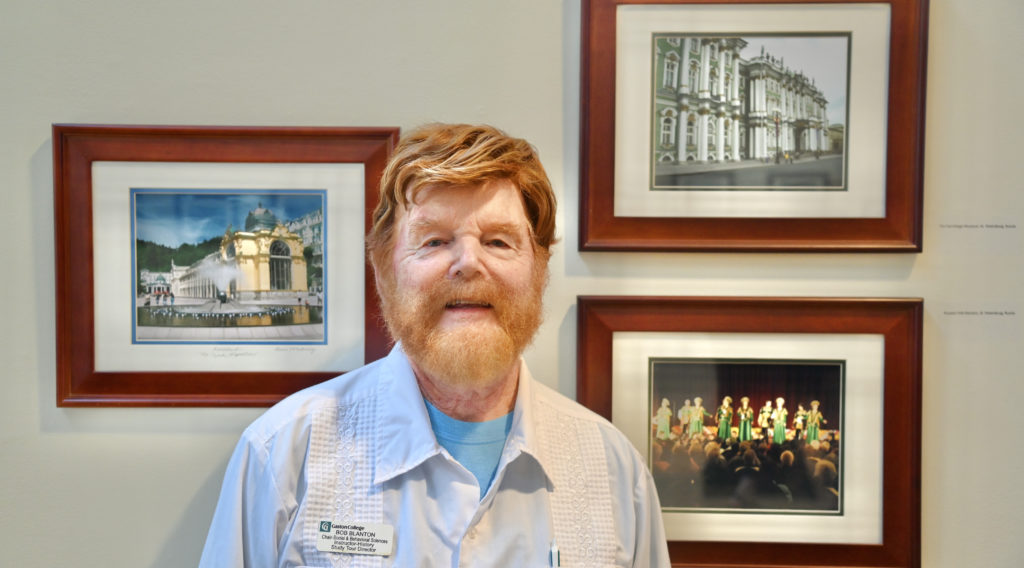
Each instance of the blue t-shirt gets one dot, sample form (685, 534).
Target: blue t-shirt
(475, 445)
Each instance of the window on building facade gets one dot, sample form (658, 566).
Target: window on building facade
(671, 73)
(280, 266)
(668, 128)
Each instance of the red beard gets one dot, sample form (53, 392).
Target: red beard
(468, 353)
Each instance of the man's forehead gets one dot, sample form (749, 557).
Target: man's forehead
(418, 195)
(498, 201)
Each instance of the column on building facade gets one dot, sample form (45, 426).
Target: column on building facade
(735, 136)
(684, 116)
(684, 69)
(735, 95)
(758, 104)
(755, 138)
(722, 95)
(702, 136)
(766, 135)
(762, 95)
(754, 96)
(765, 132)
(751, 137)
(720, 136)
(783, 117)
(813, 126)
(705, 70)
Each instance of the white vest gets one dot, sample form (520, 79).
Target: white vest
(340, 470)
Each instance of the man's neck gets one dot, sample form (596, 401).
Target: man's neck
(477, 402)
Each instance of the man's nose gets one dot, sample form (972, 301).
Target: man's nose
(466, 260)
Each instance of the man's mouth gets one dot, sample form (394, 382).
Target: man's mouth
(466, 304)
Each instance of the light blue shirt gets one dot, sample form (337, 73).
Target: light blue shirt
(360, 449)
(476, 445)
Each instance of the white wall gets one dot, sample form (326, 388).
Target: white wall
(136, 487)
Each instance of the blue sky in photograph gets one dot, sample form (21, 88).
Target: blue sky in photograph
(822, 58)
(172, 218)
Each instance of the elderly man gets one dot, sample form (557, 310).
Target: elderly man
(447, 452)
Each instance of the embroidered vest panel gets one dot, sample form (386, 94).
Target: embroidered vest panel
(581, 503)
(340, 485)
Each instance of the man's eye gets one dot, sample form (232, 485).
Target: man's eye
(433, 243)
(498, 243)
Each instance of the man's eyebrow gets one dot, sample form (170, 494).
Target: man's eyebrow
(505, 228)
(427, 224)
(422, 224)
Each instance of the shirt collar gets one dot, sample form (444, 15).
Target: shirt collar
(405, 438)
(524, 437)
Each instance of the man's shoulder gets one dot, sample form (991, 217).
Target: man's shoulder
(572, 431)
(558, 406)
(296, 411)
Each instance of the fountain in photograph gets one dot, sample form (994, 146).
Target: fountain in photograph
(224, 311)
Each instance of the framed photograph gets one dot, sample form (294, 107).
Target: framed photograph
(205, 265)
(779, 431)
(752, 126)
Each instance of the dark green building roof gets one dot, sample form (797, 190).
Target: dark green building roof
(260, 218)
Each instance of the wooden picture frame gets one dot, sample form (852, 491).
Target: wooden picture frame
(612, 326)
(879, 210)
(217, 151)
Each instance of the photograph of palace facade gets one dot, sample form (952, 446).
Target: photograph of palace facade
(711, 105)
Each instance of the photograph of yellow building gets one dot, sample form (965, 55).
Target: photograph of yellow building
(255, 273)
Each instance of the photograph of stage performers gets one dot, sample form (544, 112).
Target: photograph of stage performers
(742, 459)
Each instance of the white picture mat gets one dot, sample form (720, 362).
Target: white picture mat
(861, 521)
(866, 131)
(112, 271)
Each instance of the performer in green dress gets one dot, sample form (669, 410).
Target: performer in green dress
(779, 416)
(697, 414)
(814, 420)
(724, 416)
(746, 416)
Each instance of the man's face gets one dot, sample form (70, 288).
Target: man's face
(464, 293)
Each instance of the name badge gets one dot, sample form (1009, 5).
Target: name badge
(356, 538)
